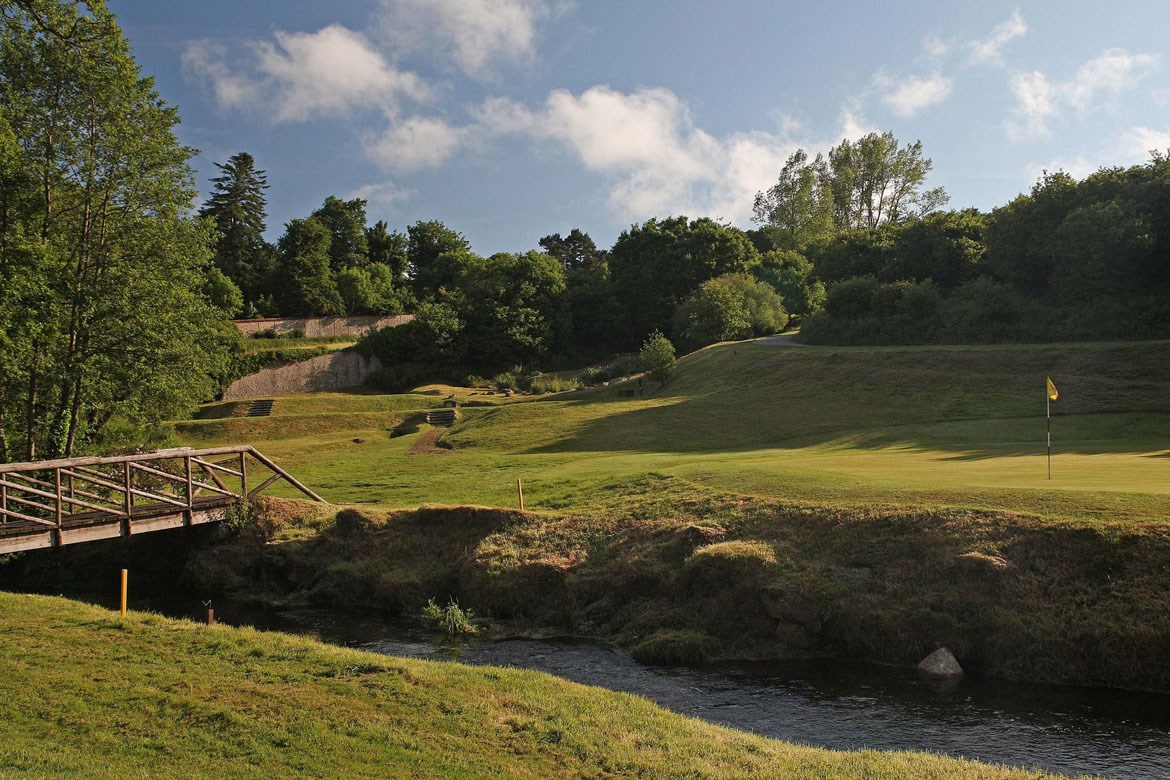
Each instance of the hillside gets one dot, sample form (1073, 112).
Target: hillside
(176, 699)
(956, 426)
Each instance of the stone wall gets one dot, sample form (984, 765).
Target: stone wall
(335, 371)
(321, 327)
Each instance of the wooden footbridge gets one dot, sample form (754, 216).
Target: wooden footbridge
(57, 502)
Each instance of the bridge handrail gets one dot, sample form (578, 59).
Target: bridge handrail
(53, 503)
(95, 460)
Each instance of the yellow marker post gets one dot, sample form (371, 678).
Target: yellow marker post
(125, 579)
(520, 493)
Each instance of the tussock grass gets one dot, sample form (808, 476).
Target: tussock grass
(88, 694)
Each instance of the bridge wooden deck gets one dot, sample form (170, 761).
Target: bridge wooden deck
(57, 502)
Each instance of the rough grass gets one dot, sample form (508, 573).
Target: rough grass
(88, 694)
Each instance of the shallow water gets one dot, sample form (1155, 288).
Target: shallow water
(827, 703)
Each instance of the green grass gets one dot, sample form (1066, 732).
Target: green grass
(913, 426)
(88, 694)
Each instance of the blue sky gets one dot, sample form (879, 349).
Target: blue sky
(512, 119)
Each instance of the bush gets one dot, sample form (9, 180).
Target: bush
(657, 357)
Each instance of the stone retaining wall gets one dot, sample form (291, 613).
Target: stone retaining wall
(321, 327)
(335, 371)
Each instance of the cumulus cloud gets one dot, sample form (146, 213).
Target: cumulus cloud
(416, 143)
(906, 97)
(1141, 141)
(1099, 81)
(382, 196)
(479, 35)
(299, 76)
(647, 144)
(989, 50)
(206, 61)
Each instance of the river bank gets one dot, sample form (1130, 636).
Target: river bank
(87, 693)
(1013, 596)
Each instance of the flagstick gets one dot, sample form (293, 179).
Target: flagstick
(1048, 417)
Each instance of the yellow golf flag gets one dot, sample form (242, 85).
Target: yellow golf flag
(1052, 394)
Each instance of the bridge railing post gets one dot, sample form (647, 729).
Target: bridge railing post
(243, 477)
(190, 487)
(3, 503)
(128, 498)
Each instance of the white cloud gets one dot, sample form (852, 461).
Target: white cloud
(1099, 81)
(1036, 102)
(416, 143)
(478, 35)
(382, 196)
(853, 123)
(302, 75)
(1108, 75)
(206, 61)
(936, 48)
(1140, 141)
(908, 96)
(989, 50)
(657, 160)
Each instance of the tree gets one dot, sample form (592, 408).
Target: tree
(576, 251)
(426, 242)
(238, 206)
(864, 184)
(306, 283)
(729, 307)
(790, 274)
(388, 249)
(104, 322)
(798, 209)
(346, 222)
(873, 181)
(656, 265)
(657, 357)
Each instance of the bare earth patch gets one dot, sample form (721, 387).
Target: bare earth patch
(427, 442)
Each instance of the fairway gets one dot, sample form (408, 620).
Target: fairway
(939, 426)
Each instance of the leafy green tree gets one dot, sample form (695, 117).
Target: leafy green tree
(656, 357)
(426, 242)
(864, 183)
(306, 285)
(729, 307)
(223, 293)
(656, 265)
(873, 181)
(575, 251)
(515, 309)
(790, 274)
(238, 207)
(388, 249)
(346, 222)
(798, 209)
(369, 290)
(104, 323)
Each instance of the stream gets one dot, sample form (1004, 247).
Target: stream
(830, 703)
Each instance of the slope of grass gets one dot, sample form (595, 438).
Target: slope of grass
(910, 426)
(88, 694)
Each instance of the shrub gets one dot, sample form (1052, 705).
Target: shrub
(657, 357)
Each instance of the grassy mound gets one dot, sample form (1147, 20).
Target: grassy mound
(88, 694)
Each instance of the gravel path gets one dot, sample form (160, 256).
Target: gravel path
(780, 340)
